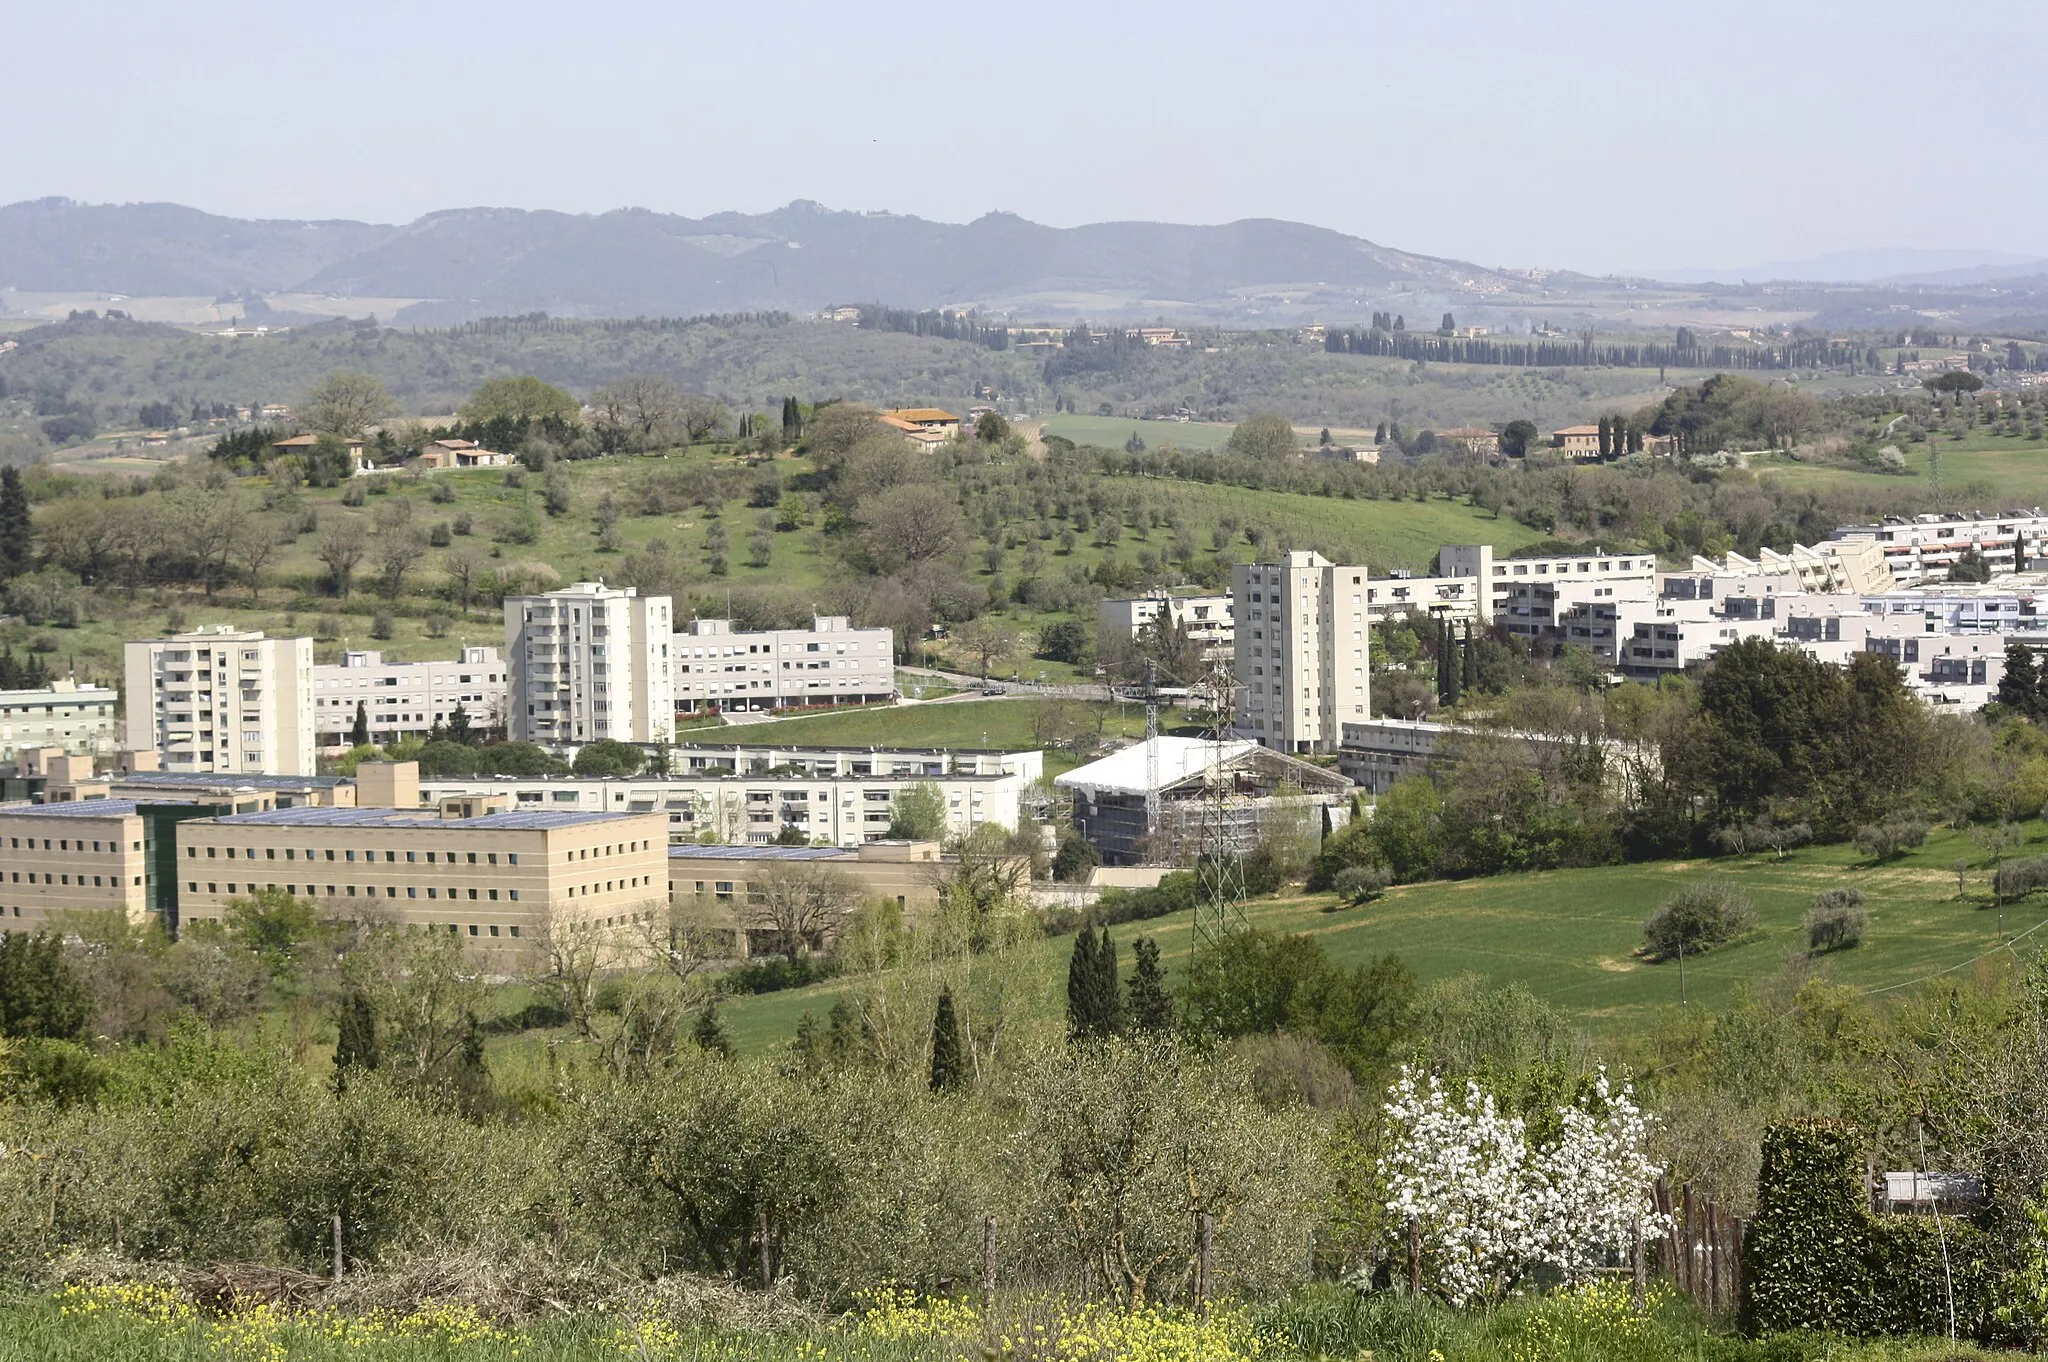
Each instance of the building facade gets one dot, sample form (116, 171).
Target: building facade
(79, 719)
(589, 663)
(221, 700)
(1923, 548)
(1302, 664)
(406, 699)
(1207, 620)
(831, 663)
(1531, 596)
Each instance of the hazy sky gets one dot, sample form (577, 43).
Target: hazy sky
(1600, 136)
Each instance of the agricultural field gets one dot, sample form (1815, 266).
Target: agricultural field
(2008, 471)
(1571, 935)
(1111, 432)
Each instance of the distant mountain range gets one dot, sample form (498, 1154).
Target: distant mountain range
(483, 261)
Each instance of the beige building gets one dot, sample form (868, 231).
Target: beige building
(461, 454)
(82, 857)
(474, 870)
(742, 890)
(589, 663)
(1531, 597)
(221, 699)
(1302, 651)
(406, 699)
(1207, 620)
(77, 718)
(1578, 442)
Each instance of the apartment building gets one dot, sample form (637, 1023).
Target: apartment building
(1302, 651)
(490, 877)
(1847, 564)
(589, 663)
(831, 663)
(406, 699)
(720, 806)
(1923, 548)
(223, 700)
(1531, 596)
(77, 718)
(1401, 594)
(1207, 620)
(91, 856)
(761, 758)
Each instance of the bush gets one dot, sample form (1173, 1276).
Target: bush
(1883, 841)
(1698, 917)
(1358, 883)
(2017, 879)
(609, 759)
(1836, 920)
(443, 493)
(380, 625)
(1075, 858)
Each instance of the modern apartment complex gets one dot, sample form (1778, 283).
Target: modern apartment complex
(1532, 596)
(589, 663)
(222, 699)
(406, 699)
(831, 663)
(1207, 620)
(1302, 651)
(1923, 548)
(79, 719)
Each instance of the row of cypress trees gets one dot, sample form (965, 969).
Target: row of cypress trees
(1099, 1004)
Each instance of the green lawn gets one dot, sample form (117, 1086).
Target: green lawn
(1570, 935)
(1110, 432)
(1002, 725)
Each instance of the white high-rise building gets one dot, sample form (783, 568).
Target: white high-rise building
(221, 699)
(77, 718)
(406, 699)
(1303, 643)
(589, 663)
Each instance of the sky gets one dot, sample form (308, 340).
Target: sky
(1607, 137)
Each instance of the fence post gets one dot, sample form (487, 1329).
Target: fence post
(1637, 1267)
(1205, 1257)
(1690, 1280)
(1414, 1259)
(1713, 1255)
(988, 1263)
(337, 1246)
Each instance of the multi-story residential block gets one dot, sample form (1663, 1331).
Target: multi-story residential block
(1206, 619)
(406, 699)
(589, 663)
(755, 807)
(1400, 594)
(1302, 651)
(1923, 548)
(79, 719)
(223, 699)
(831, 663)
(1531, 596)
(1847, 564)
(761, 758)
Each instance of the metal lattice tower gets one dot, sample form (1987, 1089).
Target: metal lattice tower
(1219, 867)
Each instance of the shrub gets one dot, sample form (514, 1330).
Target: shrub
(463, 524)
(1358, 883)
(1700, 916)
(352, 495)
(1883, 841)
(1836, 920)
(2017, 879)
(380, 625)
(443, 493)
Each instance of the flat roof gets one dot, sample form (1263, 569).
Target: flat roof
(761, 853)
(74, 808)
(228, 780)
(513, 820)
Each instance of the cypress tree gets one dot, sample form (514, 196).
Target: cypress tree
(1108, 990)
(1471, 671)
(709, 1032)
(1150, 1005)
(949, 1063)
(1453, 679)
(14, 523)
(356, 1047)
(359, 732)
(1081, 987)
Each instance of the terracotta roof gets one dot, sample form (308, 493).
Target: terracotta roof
(296, 442)
(1577, 430)
(923, 414)
(898, 423)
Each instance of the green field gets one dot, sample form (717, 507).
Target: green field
(1570, 935)
(2014, 470)
(1110, 432)
(1004, 725)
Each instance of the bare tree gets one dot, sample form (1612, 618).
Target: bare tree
(342, 546)
(254, 549)
(638, 412)
(398, 547)
(700, 417)
(986, 641)
(462, 567)
(910, 524)
(209, 522)
(346, 404)
(801, 903)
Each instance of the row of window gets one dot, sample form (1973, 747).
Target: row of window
(49, 878)
(349, 890)
(348, 854)
(65, 844)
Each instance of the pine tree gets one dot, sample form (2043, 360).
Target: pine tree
(1109, 991)
(710, 1034)
(1150, 1006)
(1081, 987)
(949, 1063)
(356, 1047)
(458, 725)
(14, 524)
(359, 732)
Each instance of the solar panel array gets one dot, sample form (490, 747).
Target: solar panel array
(761, 853)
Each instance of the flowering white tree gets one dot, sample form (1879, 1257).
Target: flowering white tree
(1488, 1208)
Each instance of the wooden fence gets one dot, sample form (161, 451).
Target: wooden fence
(1702, 1252)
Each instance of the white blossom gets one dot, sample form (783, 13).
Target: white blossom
(1488, 1208)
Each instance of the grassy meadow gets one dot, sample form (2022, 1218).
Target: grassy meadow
(1571, 935)
(2012, 468)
